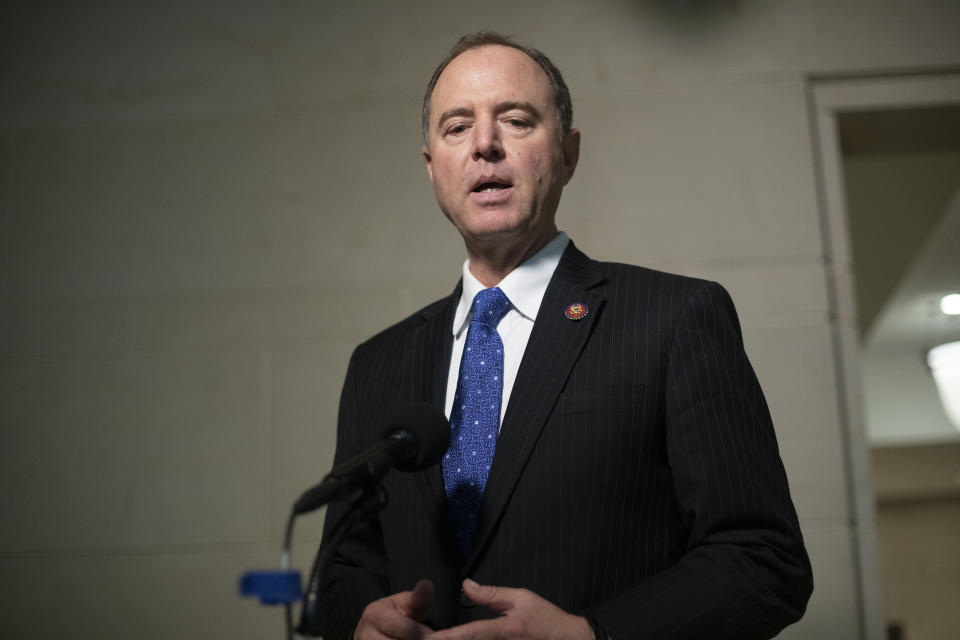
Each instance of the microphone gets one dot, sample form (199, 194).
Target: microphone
(416, 437)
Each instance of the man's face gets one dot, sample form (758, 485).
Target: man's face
(496, 158)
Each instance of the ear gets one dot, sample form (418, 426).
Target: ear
(571, 152)
(428, 160)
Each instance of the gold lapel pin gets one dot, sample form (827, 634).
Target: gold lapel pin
(576, 311)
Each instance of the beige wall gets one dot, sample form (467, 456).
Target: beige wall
(204, 207)
(918, 517)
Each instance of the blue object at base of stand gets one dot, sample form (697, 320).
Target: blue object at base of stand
(272, 587)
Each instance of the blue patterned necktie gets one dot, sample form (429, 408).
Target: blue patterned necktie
(475, 417)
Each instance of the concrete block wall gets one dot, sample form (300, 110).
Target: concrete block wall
(204, 207)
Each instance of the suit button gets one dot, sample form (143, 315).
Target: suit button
(465, 600)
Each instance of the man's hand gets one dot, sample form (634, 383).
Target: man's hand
(397, 616)
(523, 615)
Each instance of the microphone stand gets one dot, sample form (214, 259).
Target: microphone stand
(371, 501)
(415, 438)
(283, 586)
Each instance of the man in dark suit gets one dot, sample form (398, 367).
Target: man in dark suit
(633, 487)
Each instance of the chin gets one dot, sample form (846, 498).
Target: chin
(495, 232)
(493, 223)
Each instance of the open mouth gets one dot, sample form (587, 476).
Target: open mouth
(487, 187)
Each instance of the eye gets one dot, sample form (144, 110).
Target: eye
(517, 122)
(456, 128)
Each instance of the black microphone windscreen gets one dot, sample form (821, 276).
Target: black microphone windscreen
(425, 424)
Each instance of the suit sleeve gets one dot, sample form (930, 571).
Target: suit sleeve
(745, 573)
(358, 575)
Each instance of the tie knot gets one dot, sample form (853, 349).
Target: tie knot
(489, 305)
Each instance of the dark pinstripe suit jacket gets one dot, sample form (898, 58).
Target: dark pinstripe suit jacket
(636, 478)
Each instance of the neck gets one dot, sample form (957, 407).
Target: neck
(492, 262)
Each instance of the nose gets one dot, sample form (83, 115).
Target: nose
(486, 142)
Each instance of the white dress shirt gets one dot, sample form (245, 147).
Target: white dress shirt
(524, 287)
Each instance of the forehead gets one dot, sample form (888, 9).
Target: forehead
(490, 73)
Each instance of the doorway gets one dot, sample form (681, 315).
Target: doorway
(889, 151)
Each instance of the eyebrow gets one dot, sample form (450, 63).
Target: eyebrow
(500, 108)
(521, 105)
(453, 113)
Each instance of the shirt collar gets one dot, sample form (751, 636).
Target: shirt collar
(525, 286)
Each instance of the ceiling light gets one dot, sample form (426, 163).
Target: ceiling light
(950, 304)
(944, 362)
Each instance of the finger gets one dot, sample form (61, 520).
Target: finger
(420, 599)
(385, 617)
(497, 599)
(477, 630)
(393, 624)
(367, 632)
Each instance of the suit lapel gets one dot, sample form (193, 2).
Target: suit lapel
(555, 344)
(426, 362)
